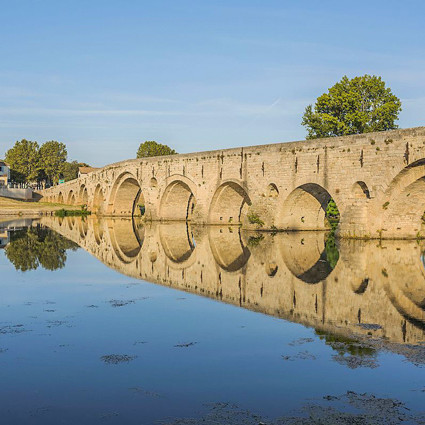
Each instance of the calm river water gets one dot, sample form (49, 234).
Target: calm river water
(112, 321)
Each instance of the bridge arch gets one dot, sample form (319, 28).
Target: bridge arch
(360, 190)
(71, 198)
(125, 240)
(178, 244)
(304, 209)
(403, 205)
(178, 201)
(126, 195)
(83, 195)
(60, 198)
(229, 204)
(308, 256)
(228, 249)
(98, 199)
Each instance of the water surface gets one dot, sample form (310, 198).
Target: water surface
(113, 321)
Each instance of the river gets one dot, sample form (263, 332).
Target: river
(119, 322)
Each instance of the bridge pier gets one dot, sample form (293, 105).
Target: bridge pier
(377, 181)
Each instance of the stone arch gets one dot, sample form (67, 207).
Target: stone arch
(306, 256)
(403, 205)
(98, 231)
(272, 191)
(98, 199)
(83, 195)
(229, 204)
(83, 227)
(228, 249)
(71, 222)
(178, 202)
(304, 209)
(178, 243)
(360, 190)
(71, 198)
(125, 196)
(125, 242)
(60, 198)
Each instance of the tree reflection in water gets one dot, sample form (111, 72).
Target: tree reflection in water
(37, 246)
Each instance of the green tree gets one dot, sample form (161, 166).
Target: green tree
(353, 106)
(23, 159)
(37, 246)
(152, 148)
(70, 170)
(53, 156)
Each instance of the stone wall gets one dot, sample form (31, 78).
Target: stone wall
(376, 179)
(23, 194)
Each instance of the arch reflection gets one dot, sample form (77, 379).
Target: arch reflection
(356, 288)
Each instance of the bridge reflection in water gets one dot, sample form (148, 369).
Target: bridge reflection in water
(359, 288)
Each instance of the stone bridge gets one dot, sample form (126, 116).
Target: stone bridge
(377, 181)
(286, 275)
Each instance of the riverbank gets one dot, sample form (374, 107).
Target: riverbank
(13, 207)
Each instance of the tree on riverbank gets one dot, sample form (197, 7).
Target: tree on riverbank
(70, 170)
(31, 163)
(52, 158)
(23, 160)
(38, 246)
(353, 106)
(152, 148)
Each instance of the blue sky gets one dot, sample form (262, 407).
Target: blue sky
(196, 75)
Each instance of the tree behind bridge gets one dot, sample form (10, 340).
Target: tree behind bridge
(360, 105)
(53, 156)
(152, 148)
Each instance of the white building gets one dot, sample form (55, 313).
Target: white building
(4, 173)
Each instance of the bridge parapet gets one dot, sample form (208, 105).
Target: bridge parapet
(376, 180)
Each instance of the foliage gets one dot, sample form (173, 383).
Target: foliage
(152, 148)
(332, 213)
(73, 213)
(331, 250)
(70, 170)
(255, 240)
(37, 246)
(52, 158)
(23, 159)
(353, 106)
(254, 218)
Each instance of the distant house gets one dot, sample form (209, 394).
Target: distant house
(85, 170)
(4, 238)
(4, 173)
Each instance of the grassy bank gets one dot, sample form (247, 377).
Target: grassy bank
(14, 207)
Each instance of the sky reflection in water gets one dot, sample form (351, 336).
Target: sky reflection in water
(59, 328)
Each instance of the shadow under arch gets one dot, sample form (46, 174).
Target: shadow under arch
(228, 249)
(178, 201)
(83, 227)
(404, 203)
(71, 198)
(98, 231)
(304, 209)
(98, 199)
(229, 204)
(178, 243)
(83, 195)
(306, 255)
(126, 195)
(360, 190)
(125, 243)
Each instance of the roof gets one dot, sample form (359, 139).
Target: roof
(86, 170)
(3, 163)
